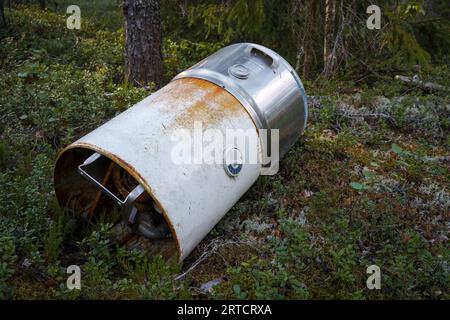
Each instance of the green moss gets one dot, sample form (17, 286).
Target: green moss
(354, 191)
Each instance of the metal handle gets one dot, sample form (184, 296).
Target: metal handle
(264, 53)
(127, 204)
(86, 163)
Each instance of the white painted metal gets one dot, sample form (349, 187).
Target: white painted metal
(244, 87)
(193, 197)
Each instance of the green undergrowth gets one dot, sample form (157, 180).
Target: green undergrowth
(366, 184)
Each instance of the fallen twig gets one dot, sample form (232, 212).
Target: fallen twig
(369, 115)
(211, 248)
(426, 86)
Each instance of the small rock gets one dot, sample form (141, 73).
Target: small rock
(208, 286)
(307, 193)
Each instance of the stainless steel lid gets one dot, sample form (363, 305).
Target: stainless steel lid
(265, 84)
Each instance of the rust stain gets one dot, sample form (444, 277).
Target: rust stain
(215, 105)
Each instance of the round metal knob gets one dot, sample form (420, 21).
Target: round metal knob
(239, 71)
(233, 161)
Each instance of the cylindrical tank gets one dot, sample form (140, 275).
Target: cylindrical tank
(133, 161)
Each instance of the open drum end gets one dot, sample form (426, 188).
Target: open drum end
(89, 182)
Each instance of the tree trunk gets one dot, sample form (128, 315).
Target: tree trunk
(2, 14)
(305, 36)
(143, 47)
(42, 4)
(330, 15)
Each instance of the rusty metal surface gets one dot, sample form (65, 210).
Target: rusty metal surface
(69, 185)
(264, 83)
(99, 192)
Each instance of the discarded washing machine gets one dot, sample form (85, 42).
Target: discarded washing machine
(128, 166)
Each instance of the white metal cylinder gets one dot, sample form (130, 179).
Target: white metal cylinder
(244, 88)
(192, 197)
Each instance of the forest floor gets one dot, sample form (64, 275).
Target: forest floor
(367, 183)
